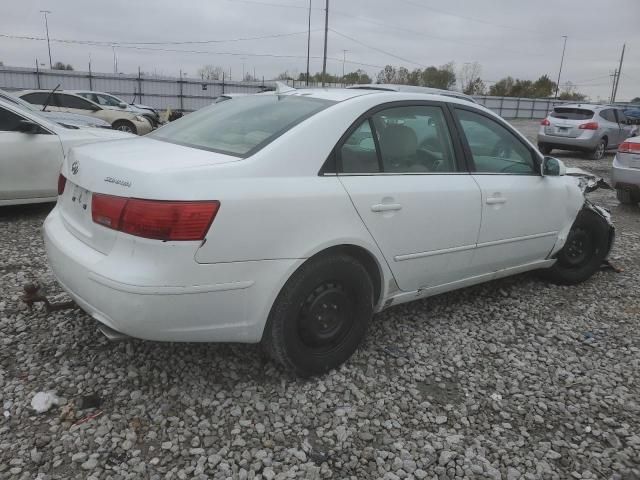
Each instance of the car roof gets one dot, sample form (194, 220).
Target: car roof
(582, 105)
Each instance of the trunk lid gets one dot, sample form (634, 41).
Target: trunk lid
(139, 168)
(630, 159)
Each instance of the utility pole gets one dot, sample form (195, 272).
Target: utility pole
(617, 81)
(326, 31)
(308, 43)
(115, 59)
(613, 86)
(561, 62)
(46, 25)
(344, 59)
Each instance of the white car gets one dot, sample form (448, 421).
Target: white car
(62, 101)
(625, 171)
(289, 219)
(106, 100)
(32, 148)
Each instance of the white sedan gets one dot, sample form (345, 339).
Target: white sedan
(32, 148)
(291, 218)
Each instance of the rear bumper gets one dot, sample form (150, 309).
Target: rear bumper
(625, 177)
(567, 143)
(232, 306)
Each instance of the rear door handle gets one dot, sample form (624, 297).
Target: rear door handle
(386, 207)
(496, 200)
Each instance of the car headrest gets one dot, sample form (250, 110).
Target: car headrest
(398, 141)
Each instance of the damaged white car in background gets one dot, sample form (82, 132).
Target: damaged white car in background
(291, 218)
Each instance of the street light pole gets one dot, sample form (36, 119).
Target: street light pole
(46, 25)
(344, 59)
(561, 62)
(308, 43)
(326, 31)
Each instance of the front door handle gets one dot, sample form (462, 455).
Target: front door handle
(496, 200)
(386, 207)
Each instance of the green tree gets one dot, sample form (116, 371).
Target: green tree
(502, 88)
(387, 74)
(543, 87)
(569, 92)
(62, 66)
(358, 77)
(414, 77)
(635, 100)
(439, 77)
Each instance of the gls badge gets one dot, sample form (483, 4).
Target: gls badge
(75, 167)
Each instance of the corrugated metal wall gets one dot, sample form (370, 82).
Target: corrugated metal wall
(191, 94)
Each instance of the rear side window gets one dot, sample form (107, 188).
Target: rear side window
(566, 113)
(37, 98)
(243, 126)
(608, 115)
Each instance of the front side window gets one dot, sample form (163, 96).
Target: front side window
(243, 126)
(9, 121)
(493, 147)
(413, 139)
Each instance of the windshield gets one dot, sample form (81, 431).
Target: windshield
(572, 113)
(241, 126)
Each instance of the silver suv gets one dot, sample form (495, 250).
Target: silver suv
(588, 128)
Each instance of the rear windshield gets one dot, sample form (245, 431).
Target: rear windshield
(241, 126)
(572, 113)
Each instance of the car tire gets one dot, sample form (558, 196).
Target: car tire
(598, 152)
(124, 126)
(626, 196)
(586, 247)
(544, 148)
(320, 316)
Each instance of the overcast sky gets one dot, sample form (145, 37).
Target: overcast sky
(521, 38)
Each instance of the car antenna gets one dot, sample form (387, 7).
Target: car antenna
(46, 104)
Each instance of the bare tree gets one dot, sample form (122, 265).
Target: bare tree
(469, 74)
(210, 72)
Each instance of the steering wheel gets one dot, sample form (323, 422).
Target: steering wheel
(501, 149)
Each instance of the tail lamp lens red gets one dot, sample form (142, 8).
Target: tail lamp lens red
(629, 147)
(155, 219)
(545, 122)
(62, 181)
(589, 126)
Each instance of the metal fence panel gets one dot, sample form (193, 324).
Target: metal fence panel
(190, 94)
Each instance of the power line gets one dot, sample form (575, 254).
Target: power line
(188, 42)
(376, 49)
(471, 19)
(269, 4)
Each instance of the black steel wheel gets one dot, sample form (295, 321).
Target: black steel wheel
(321, 315)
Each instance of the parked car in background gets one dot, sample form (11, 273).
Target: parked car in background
(593, 129)
(625, 172)
(106, 100)
(290, 218)
(65, 119)
(62, 101)
(32, 148)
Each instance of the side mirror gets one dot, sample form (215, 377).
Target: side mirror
(122, 105)
(27, 126)
(552, 167)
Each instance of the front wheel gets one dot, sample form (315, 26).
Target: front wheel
(586, 247)
(320, 316)
(124, 126)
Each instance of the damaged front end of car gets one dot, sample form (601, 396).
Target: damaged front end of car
(588, 182)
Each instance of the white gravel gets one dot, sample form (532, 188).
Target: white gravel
(508, 380)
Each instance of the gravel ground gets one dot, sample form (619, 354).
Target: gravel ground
(507, 380)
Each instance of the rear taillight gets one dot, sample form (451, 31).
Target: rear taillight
(545, 122)
(629, 147)
(589, 126)
(62, 181)
(155, 219)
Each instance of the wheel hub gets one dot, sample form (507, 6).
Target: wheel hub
(325, 315)
(578, 248)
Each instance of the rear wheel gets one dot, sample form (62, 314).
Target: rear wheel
(544, 148)
(124, 126)
(626, 196)
(583, 252)
(320, 316)
(598, 152)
